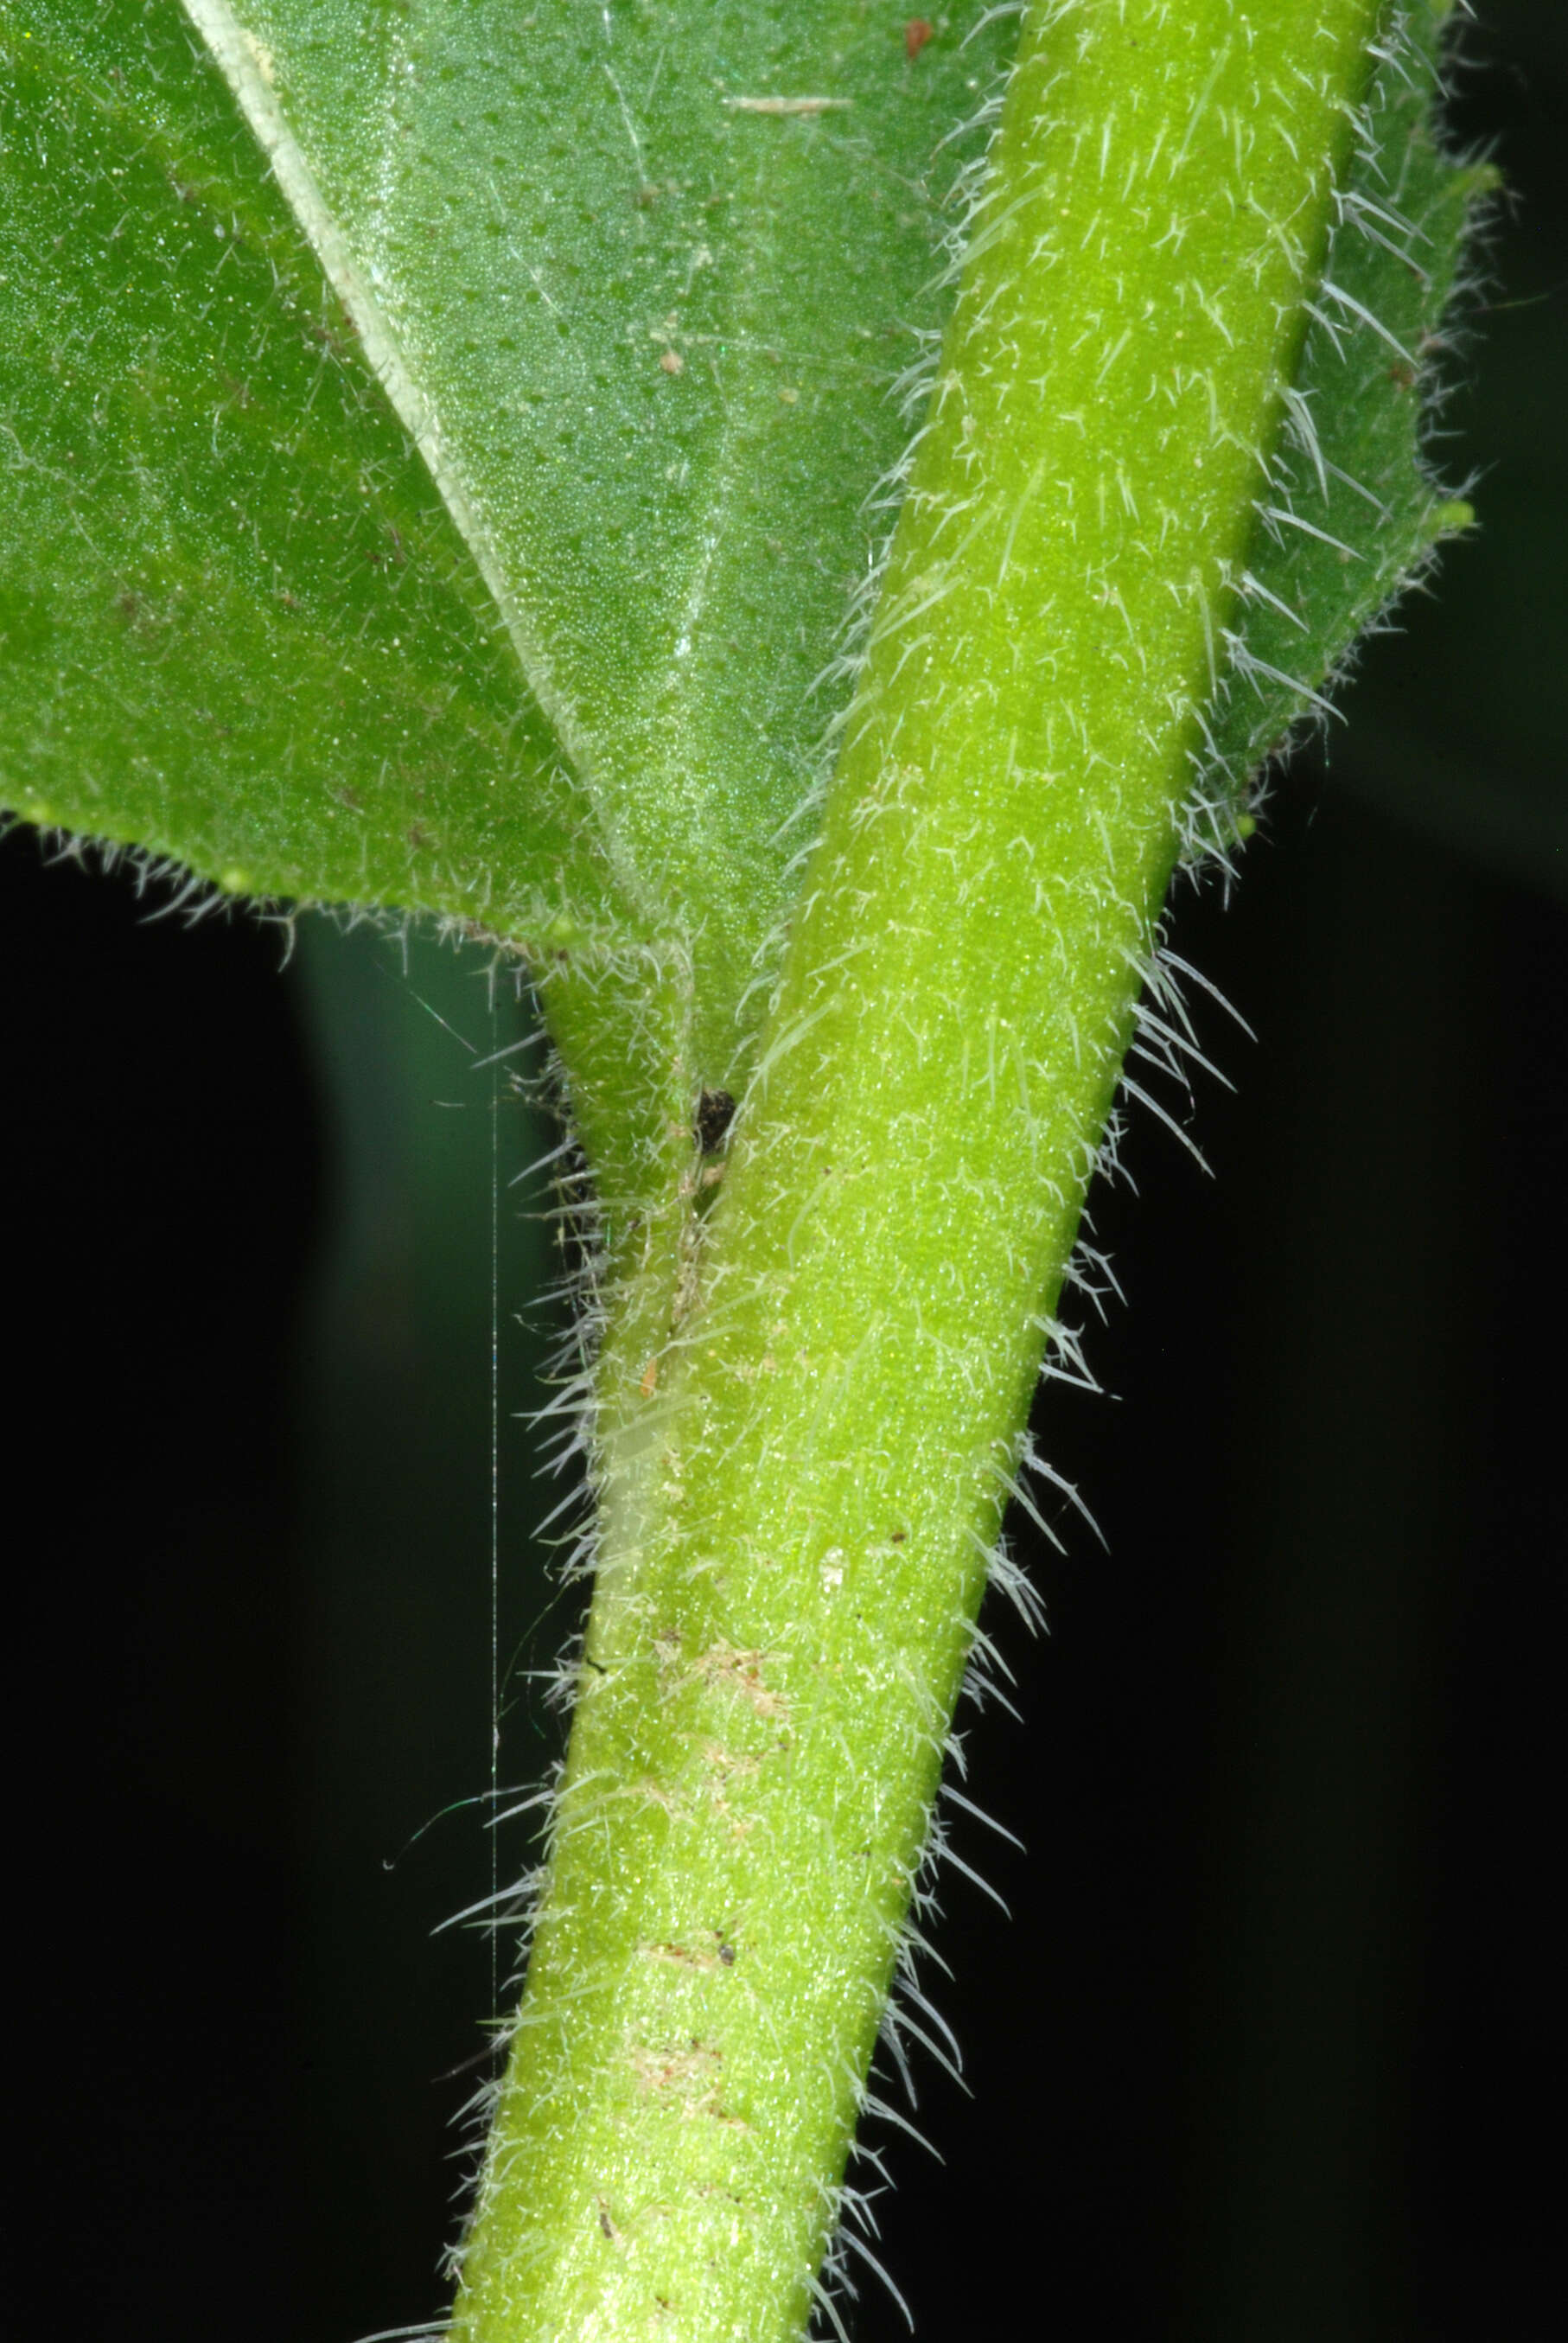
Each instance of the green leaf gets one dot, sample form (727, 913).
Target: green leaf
(1352, 511)
(238, 626)
(635, 279)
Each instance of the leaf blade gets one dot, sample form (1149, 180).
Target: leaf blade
(224, 561)
(1355, 511)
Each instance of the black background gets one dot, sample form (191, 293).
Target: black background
(1271, 2046)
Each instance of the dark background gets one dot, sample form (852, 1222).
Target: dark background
(1271, 2046)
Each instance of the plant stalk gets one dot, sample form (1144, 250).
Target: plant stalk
(820, 1409)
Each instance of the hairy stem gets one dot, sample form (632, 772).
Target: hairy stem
(828, 1426)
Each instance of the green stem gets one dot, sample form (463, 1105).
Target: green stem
(832, 1421)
